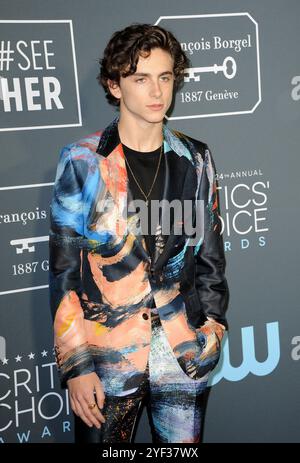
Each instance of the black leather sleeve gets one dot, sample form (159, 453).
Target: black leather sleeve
(210, 281)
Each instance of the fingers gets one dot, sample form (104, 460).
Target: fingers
(100, 396)
(82, 415)
(219, 332)
(82, 395)
(218, 327)
(91, 417)
(94, 412)
(87, 415)
(211, 327)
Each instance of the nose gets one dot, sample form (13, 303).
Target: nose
(156, 90)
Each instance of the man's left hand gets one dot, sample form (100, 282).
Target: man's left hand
(217, 327)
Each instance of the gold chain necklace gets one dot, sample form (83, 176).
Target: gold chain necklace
(136, 181)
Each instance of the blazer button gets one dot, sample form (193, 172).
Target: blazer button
(145, 316)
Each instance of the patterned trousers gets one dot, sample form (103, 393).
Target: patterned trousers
(175, 402)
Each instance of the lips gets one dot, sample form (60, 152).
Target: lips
(155, 106)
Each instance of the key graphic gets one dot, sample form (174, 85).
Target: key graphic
(228, 68)
(24, 243)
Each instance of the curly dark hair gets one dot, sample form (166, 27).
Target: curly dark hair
(125, 47)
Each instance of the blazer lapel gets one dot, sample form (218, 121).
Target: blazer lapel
(117, 183)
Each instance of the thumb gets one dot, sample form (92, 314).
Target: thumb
(98, 391)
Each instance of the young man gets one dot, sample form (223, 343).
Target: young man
(139, 313)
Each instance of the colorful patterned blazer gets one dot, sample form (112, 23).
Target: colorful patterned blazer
(102, 280)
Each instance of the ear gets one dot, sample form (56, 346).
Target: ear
(114, 88)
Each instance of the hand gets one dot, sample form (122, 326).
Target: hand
(218, 328)
(209, 336)
(81, 393)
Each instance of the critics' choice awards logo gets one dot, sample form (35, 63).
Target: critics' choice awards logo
(244, 205)
(32, 406)
(224, 74)
(38, 75)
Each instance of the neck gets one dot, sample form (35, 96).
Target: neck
(140, 135)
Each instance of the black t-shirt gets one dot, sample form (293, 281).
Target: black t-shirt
(144, 166)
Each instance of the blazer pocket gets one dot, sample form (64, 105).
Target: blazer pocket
(211, 350)
(200, 356)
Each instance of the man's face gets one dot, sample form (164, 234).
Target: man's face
(152, 84)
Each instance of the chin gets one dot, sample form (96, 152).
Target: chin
(156, 117)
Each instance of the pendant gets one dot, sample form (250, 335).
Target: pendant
(147, 202)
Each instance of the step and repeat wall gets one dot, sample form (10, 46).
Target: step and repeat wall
(241, 97)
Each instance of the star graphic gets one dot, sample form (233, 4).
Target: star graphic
(31, 356)
(44, 353)
(18, 358)
(5, 361)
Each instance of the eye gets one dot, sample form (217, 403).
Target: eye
(139, 80)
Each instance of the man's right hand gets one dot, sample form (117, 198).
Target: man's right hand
(83, 391)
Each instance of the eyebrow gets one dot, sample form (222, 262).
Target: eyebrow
(148, 74)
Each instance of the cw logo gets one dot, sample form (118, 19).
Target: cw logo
(249, 364)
